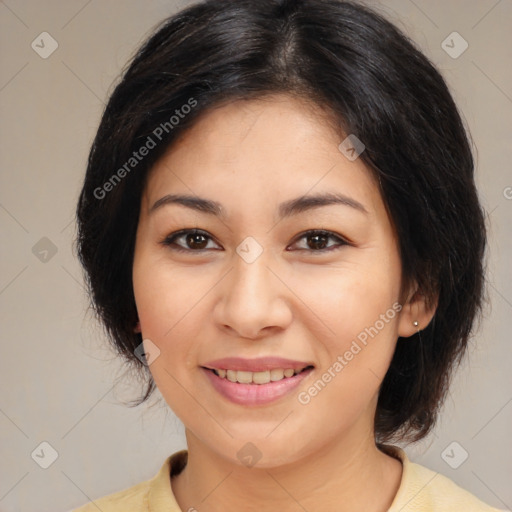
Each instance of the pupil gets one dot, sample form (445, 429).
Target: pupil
(192, 238)
(316, 243)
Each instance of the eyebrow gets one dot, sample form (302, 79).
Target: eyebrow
(286, 209)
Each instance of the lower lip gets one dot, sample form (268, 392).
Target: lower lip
(255, 394)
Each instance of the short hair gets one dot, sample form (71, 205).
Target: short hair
(375, 83)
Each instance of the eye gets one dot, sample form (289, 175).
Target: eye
(317, 240)
(195, 240)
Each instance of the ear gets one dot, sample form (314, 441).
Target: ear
(413, 310)
(137, 327)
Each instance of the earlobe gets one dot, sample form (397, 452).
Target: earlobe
(415, 315)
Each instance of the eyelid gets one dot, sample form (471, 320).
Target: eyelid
(320, 231)
(169, 239)
(342, 241)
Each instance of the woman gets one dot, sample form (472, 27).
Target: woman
(271, 228)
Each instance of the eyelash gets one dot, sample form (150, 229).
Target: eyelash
(169, 241)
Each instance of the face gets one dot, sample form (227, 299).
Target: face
(266, 279)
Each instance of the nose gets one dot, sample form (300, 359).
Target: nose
(254, 300)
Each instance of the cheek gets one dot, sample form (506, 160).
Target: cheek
(169, 304)
(164, 295)
(353, 312)
(340, 302)
(165, 301)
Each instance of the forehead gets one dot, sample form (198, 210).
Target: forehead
(259, 153)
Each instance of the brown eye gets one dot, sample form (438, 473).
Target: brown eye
(190, 240)
(193, 240)
(318, 240)
(196, 241)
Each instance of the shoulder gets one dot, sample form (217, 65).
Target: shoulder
(133, 499)
(151, 495)
(422, 489)
(444, 494)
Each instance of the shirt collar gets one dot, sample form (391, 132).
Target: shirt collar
(412, 482)
(161, 497)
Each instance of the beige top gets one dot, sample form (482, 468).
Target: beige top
(421, 490)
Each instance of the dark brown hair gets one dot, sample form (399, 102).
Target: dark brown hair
(372, 79)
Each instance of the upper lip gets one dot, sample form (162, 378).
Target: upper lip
(259, 364)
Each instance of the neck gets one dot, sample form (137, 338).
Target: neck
(338, 477)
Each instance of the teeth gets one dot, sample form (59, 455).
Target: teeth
(244, 377)
(261, 377)
(265, 377)
(276, 374)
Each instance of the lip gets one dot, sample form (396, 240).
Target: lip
(255, 394)
(259, 364)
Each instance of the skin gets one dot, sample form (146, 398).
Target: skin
(201, 305)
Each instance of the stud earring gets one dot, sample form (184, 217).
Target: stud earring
(415, 323)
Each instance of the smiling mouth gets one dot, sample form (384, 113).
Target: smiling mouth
(264, 377)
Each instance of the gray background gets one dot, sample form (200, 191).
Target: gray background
(58, 374)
